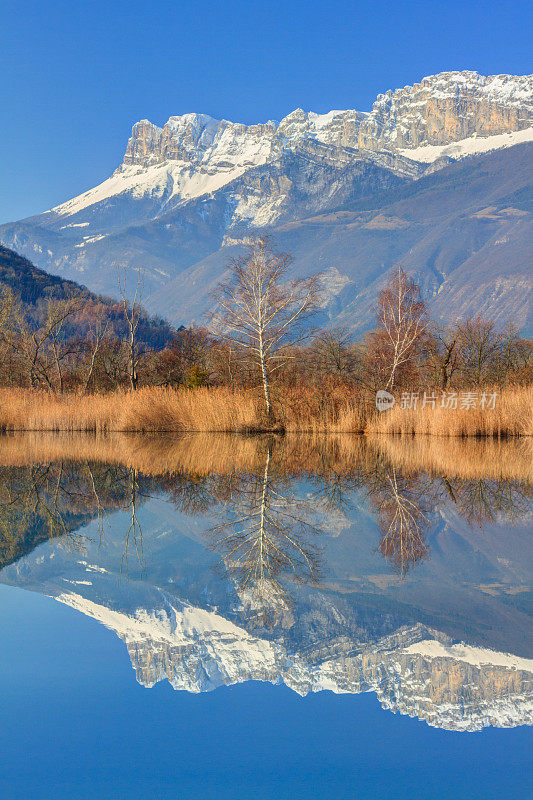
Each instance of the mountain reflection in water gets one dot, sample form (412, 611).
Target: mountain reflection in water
(399, 567)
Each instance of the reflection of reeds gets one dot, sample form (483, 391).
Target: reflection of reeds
(335, 455)
(510, 459)
(302, 409)
(200, 454)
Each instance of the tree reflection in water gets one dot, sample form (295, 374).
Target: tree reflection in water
(482, 502)
(53, 501)
(403, 518)
(267, 537)
(134, 534)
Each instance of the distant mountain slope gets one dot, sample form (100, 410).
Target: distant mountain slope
(33, 286)
(188, 190)
(30, 283)
(465, 232)
(164, 235)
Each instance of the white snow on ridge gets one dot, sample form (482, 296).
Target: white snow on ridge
(194, 155)
(159, 627)
(172, 178)
(477, 656)
(219, 152)
(136, 180)
(506, 89)
(474, 145)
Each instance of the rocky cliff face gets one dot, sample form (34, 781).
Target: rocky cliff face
(439, 110)
(414, 671)
(200, 139)
(448, 107)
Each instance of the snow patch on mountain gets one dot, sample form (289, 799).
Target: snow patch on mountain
(176, 627)
(477, 656)
(333, 282)
(473, 145)
(507, 89)
(160, 182)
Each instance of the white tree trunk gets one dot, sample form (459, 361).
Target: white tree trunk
(264, 376)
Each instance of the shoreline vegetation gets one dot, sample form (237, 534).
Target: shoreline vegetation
(297, 410)
(260, 366)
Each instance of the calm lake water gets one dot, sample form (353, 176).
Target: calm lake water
(220, 617)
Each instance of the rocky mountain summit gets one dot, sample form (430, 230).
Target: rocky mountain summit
(447, 108)
(439, 110)
(189, 190)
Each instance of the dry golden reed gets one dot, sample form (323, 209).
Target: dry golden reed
(512, 416)
(298, 410)
(169, 410)
(147, 410)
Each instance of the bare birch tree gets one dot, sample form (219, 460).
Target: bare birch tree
(132, 311)
(95, 337)
(260, 311)
(402, 320)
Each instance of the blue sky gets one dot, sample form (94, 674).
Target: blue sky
(75, 76)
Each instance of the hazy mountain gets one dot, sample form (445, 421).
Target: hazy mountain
(465, 232)
(189, 191)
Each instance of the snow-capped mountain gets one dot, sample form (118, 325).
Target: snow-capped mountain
(452, 107)
(415, 671)
(195, 155)
(189, 190)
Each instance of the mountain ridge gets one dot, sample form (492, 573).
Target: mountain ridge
(394, 118)
(187, 190)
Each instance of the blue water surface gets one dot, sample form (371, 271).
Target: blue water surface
(76, 724)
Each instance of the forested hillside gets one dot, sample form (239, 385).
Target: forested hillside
(34, 287)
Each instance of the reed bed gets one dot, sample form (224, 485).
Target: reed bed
(151, 410)
(297, 410)
(511, 416)
(147, 410)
